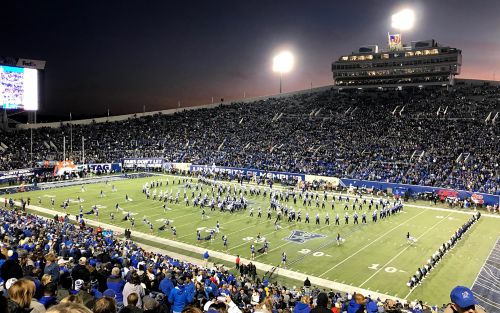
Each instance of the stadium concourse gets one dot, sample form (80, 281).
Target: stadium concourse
(430, 136)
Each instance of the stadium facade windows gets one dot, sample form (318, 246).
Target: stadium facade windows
(412, 66)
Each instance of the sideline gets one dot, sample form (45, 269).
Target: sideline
(324, 283)
(484, 213)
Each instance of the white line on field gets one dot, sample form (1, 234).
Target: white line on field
(363, 248)
(397, 255)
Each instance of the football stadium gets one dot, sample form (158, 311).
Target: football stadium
(379, 192)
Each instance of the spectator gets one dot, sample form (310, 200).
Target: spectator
(51, 267)
(69, 307)
(49, 295)
(133, 285)
(81, 271)
(46, 278)
(307, 286)
(11, 268)
(116, 283)
(105, 305)
(150, 305)
(357, 304)
(166, 284)
(21, 295)
(131, 304)
(84, 291)
(64, 287)
(179, 297)
(72, 299)
(321, 304)
(303, 306)
(463, 301)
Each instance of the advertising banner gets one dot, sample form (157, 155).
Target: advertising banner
(105, 167)
(142, 163)
(415, 189)
(333, 181)
(247, 172)
(36, 64)
(17, 173)
(64, 166)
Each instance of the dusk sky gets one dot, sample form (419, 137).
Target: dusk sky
(122, 55)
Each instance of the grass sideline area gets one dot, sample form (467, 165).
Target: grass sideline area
(374, 256)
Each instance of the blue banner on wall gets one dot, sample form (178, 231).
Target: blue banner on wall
(247, 172)
(415, 189)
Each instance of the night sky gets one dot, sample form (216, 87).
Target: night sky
(122, 55)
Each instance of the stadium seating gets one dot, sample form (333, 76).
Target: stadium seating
(430, 137)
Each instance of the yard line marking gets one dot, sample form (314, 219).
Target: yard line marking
(233, 220)
(363, 248)
(397, 255)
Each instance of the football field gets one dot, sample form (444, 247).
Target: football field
(374, 256)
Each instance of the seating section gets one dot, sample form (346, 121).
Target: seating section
(428, 137)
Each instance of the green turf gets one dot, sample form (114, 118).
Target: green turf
(375, 256)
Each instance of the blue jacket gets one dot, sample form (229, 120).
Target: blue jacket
(301, 307)
(190, 291)
(166, 286)
(178, 298)
(353, 306)
(116, 283)
(48, 301)
(371, 307)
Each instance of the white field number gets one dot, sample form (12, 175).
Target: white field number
(388, 269)
(307, 251)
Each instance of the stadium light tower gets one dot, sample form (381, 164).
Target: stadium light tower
(283, 63)
(403, 20)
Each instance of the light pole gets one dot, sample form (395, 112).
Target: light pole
(283, 63)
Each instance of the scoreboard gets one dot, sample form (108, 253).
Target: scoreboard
(18, 88)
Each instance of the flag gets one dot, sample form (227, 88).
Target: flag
(395, 42)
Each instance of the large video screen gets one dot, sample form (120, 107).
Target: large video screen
(18, 88)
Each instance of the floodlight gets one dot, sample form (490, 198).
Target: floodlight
(283, 62)
(403, 20)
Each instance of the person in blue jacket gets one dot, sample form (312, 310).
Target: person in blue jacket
(116, 283)
(166, 284)
(179, 297)
(357, 304)
(371, 306)
(205, 258)
(302, 306)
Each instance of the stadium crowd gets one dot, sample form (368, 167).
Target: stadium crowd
(60, 267)
(430, 137)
